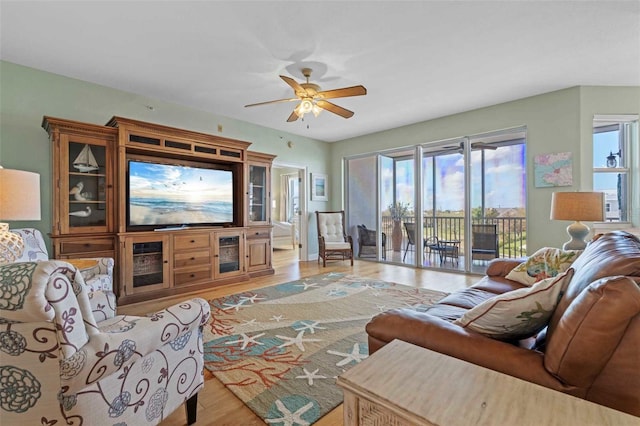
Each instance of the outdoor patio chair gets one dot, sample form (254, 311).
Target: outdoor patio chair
(367, 241)
(484, 245)
(333, 241)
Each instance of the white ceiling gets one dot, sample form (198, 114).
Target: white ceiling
(418, 60)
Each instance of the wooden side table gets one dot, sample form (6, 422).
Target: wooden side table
(403, 384)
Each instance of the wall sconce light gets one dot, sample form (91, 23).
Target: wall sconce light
(611, 159)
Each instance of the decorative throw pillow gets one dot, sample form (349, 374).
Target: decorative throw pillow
(517, 314)
(544, 263)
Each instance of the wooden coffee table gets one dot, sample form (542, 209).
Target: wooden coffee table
(403, 384)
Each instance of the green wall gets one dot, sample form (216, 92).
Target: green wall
(27, 94)
(556, 122)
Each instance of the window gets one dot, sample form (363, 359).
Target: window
(611, 163)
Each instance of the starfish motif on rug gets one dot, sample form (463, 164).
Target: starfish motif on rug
(235, 306)
(311, 375)
(381, 308)
(246, 340)
(291, 419)
(315, 325)
(298, 341)
(251, 299)
(354, 356)
(307, 285)
(335, 292)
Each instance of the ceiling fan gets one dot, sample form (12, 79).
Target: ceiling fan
(314, 100)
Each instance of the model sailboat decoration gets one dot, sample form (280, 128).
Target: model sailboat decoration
(85, 161)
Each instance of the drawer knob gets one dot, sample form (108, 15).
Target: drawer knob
(193, 275)
(193, 258)
(193, 241)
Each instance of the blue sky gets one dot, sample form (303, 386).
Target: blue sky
(504, 180)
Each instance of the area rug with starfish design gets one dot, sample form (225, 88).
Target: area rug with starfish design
(280, 348)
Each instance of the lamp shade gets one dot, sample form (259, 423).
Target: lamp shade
(578, 206)
(19, 195)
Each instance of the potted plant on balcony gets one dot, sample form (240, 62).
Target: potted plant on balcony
(398, 210)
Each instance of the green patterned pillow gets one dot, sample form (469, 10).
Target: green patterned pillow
(544, 263)
(517, 314)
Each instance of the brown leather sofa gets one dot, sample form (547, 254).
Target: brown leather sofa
(590, 349)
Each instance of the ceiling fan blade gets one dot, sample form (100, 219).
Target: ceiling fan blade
(342, 112)
(342, 93)
(299, 90)
(272, 102)
(292, 117)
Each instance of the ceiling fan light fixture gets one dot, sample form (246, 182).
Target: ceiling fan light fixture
(306, 106)
(312, 99)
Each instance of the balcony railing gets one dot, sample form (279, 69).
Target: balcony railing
(512, 231)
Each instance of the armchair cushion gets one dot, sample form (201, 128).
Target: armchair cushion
(330, 226)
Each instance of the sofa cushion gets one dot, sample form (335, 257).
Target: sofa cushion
(544, 263)
(611, 254)
(591, 330)
(517, 314)
(467, 298)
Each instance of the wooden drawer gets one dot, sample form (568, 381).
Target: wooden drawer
(256, 234)
(191, 258)
(86, 246)
(185, 242)
(193, 276)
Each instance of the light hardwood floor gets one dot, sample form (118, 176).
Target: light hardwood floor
(217, 405)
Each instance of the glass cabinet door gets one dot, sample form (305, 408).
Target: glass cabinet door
(258, 193)
(229, 256)
(148, 267)
(86, 182)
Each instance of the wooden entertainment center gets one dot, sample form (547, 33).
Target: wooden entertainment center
(91, 217)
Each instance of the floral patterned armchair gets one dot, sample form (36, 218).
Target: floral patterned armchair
(98, 278)
(59, 365)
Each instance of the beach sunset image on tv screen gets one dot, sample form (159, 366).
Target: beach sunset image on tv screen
(165, 194)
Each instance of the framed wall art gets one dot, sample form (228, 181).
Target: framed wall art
(553, 169)
(319, 187)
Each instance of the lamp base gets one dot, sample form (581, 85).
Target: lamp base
(11, 245)
(577, 231)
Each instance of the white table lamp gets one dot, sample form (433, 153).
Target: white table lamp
(577, 206)
(19, 200)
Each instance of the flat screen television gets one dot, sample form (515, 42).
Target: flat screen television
(163, 195)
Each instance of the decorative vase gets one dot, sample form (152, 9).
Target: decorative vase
(396, 236)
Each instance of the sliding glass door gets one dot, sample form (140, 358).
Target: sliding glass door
(460, 206)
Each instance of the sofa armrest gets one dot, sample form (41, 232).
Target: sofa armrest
(501, 267)
(436, 334)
